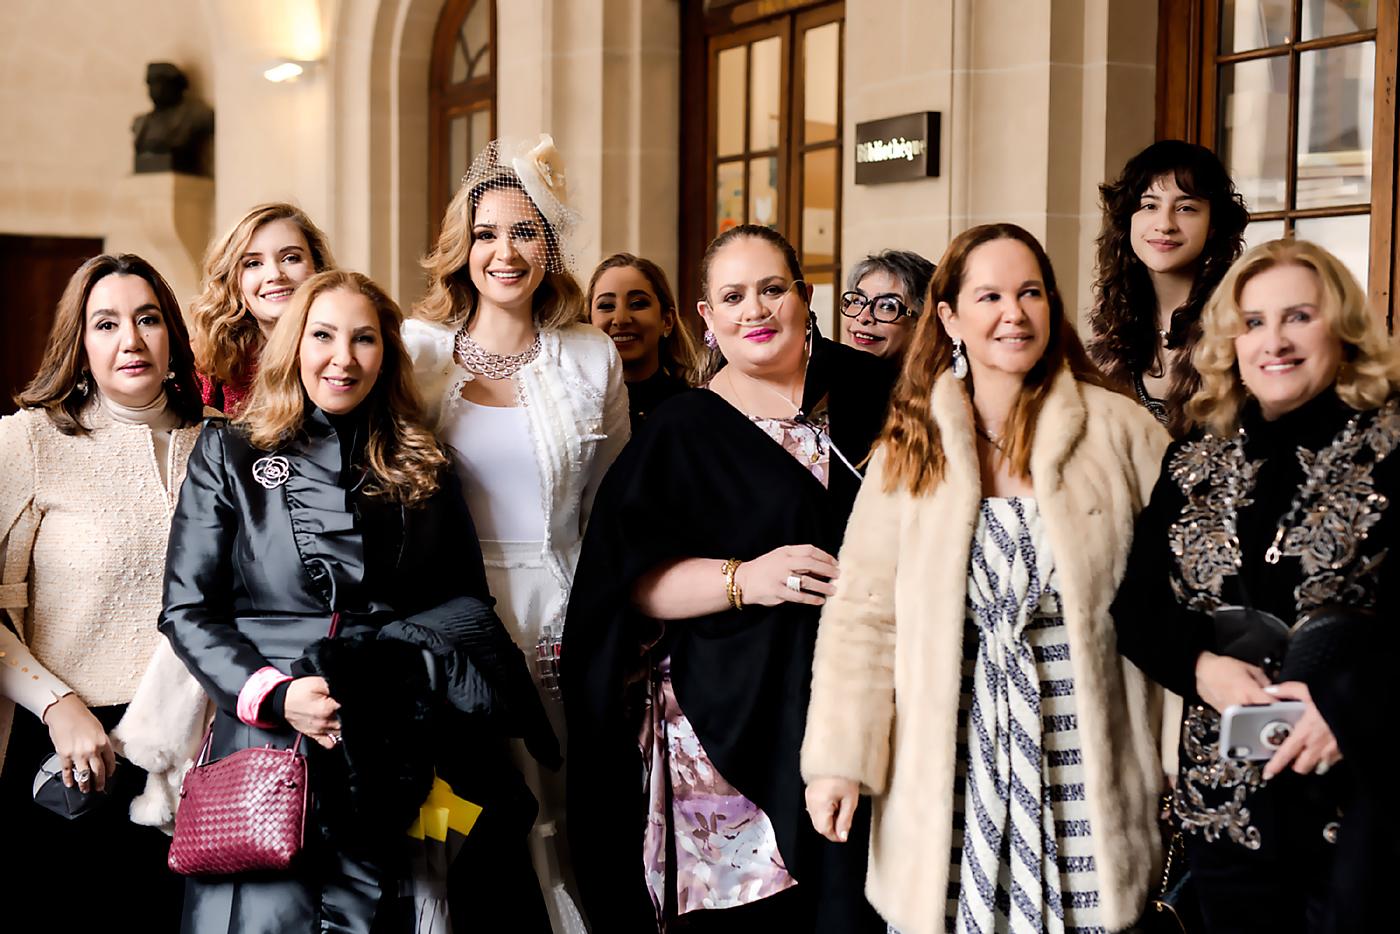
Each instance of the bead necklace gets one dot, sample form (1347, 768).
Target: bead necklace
(483, 362)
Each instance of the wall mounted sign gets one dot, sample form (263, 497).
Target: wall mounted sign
(897, 149)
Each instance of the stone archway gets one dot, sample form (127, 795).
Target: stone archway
(380, 100)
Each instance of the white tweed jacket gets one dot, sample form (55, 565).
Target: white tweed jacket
(576, 406)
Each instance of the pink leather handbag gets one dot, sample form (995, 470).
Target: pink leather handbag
(243, 813)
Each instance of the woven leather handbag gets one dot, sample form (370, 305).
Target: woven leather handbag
(244, 813)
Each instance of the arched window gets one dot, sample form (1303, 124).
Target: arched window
(461, 98)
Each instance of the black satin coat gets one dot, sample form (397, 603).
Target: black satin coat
(264, 548)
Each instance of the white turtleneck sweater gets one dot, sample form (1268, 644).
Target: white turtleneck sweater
(83, 527)
(156, 416)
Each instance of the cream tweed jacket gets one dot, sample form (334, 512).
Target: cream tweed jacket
(83, 527)
(886, 677)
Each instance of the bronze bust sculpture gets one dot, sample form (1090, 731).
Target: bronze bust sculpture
(176, 135)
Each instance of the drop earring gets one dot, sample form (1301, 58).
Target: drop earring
(959, 360)
(82, 384)
(711, 341)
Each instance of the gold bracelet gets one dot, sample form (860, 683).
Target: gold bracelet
(732, 591)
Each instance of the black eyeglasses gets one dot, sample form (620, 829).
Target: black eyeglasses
(886, 308)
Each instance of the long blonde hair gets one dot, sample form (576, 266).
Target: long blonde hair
(452, 298)
(1370, 371)
(223, 332)
(403, 457)
(914, 458)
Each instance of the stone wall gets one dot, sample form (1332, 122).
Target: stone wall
(72, 78)
(1040, 103)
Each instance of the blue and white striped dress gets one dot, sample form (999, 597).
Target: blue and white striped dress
(1023, 858)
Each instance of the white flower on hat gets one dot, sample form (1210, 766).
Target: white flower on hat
(546, 160)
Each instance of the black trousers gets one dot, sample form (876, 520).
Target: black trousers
(1283, 887)
(55, 866)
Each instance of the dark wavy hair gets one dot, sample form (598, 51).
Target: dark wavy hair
(1124, 319)
(59, 388)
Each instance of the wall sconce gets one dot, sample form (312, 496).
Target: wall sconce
(286, 70)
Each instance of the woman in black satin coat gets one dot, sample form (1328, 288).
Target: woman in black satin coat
(326, 511)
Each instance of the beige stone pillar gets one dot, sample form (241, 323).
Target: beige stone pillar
(1041, 102)
(899, 59)
(167, 219)
(602, 76)
(272, 141)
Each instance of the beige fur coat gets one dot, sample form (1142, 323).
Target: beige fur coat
(886, 677)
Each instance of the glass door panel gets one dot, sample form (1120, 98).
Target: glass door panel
(1254, 24)
(821, 58)
(763, 191)
(1253, 140)
(729, 196)
(1335, 115)
(765, 94)
(1348, 237)
(1337, 17)
(731, 82)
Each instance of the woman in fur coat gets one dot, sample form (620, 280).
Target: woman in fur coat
(966, 675)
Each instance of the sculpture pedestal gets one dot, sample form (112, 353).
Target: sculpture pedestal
(167, 219)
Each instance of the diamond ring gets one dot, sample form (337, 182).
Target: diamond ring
(794, 583)
(82, 776)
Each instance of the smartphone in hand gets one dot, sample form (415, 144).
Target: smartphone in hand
(1256, 731)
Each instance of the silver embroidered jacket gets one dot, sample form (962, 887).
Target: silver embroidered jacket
(1317, 484)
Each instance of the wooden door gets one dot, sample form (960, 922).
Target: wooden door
(35, 271)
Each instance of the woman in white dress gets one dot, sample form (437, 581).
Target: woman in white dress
(532, 404)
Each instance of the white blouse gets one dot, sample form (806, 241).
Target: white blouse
(575, 405)
(493, 457)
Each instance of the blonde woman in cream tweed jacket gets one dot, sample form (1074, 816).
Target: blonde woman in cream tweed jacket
(887, 672)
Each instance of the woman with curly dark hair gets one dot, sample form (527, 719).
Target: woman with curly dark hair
(1173, 223)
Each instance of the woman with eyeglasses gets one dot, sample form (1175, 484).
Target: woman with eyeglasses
(688, 646)
(884, 296)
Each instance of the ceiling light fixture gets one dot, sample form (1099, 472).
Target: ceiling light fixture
(285, 71)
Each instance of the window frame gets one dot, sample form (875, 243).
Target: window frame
(1188, 63)
(447, 101)
(704, 34)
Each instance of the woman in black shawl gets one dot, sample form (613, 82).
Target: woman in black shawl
(688, 646)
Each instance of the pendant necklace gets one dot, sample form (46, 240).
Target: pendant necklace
(990, 438)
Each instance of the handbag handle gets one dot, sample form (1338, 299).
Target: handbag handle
(296, 745)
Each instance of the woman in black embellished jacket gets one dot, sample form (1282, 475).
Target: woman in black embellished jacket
(1283, 505)
(324, 580)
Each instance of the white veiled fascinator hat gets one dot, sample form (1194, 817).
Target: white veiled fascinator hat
(536, 167)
